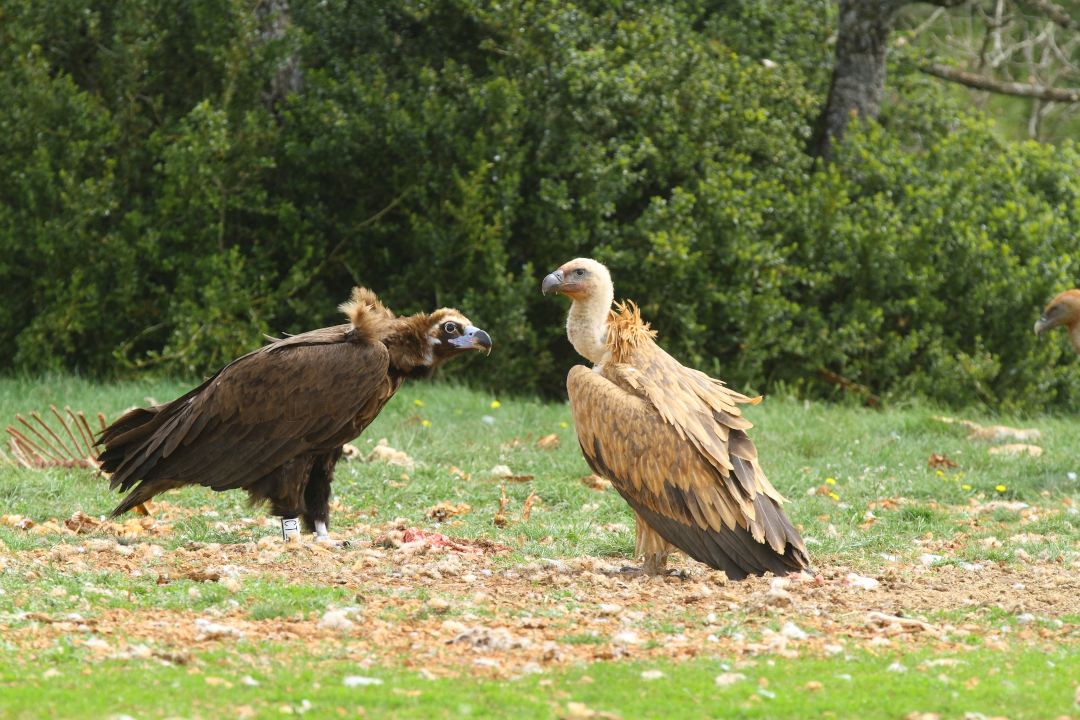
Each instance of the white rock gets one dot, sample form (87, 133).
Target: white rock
(626, 637)
(610, 608)
(335, 620)
(249, 681)
(793, 632)
(728, 679)
(360, 680)
(929, 559)
(1025, 619)
(651, 674)
(501, 471)
(863, 583)
(208, 629)
(833, 649)
(453, 626)
(896, 668)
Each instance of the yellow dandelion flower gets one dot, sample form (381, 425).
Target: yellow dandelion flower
(418, 403)
(940, 474)
(457, 412)
(965, 487)
(495, 403)
(426, 423)
(830, 481)
(834, 496)
(562, 425)
(1000, 488)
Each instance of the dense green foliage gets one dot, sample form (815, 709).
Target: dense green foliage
(163, 201)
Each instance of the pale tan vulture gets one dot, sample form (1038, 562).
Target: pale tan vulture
(671, 440)
(1062, 310)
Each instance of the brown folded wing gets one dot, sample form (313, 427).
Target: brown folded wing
(673, 443)
(308, 393)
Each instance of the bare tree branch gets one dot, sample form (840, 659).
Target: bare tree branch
(1053, 12)
(981, 82)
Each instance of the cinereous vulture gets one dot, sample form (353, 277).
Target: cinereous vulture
(671, 440)
(274, 421)
(1062, 310)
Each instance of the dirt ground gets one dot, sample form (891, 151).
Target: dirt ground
(442, 608)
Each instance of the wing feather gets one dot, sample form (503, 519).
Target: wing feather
(718, 517)
(272, 404)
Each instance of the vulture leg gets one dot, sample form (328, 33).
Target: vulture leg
(283, 488)
(654, 548)
(317, 495)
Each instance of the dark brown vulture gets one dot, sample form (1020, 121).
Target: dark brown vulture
(671, 440)
(1062, 310)
(274, 421)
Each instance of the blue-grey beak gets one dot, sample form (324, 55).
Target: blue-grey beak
(553, 281)
(1042, 325)
(474, 337)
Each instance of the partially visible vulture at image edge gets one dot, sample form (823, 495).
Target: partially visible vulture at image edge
(671, 440)
(1062, 310)
(274, 421)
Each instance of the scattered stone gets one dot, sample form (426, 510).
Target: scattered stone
(863, 583)
(360, 681)
(793, 632)
(491, 638)
(335, 620)
(438, 605)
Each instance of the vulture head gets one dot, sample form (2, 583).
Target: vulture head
(588, 284)
(449, 333)
(1062, 310)
(419, 343)
(580, 279)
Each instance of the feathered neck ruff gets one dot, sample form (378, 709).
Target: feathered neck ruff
(404, 337)
(408, 343)
(626, 331)
(370, 319)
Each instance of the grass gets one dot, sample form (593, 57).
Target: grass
(1023, 686)
(869, 455)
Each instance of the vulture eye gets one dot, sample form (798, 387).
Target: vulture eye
(450, 327)
(580, 272)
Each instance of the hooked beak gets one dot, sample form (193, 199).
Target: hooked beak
(474, 337)
(1042, 325)
(553, 282)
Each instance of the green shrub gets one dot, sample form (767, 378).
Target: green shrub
(164, 203)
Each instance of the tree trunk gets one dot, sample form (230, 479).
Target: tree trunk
(858, 81)
(289, 79)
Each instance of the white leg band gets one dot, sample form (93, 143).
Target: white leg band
(290, 526)
(320, 529)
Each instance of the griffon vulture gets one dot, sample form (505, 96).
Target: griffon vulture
(274, 421)
(1062, 310)
(671, 440)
